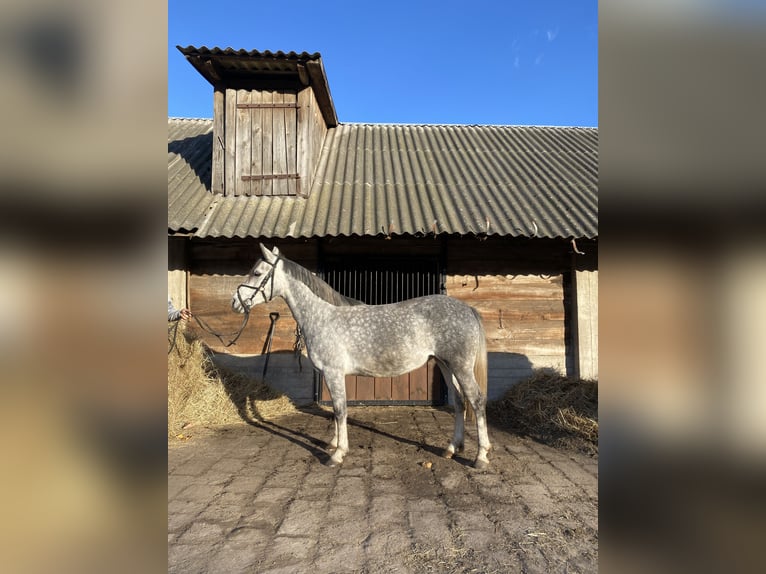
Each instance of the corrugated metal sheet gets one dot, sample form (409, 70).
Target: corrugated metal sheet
(249, 54)
(412, 179)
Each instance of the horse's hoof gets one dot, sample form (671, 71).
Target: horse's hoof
(330, 463)
(333, 461)
(447, 453)
(481, 464)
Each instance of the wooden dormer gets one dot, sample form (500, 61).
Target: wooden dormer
(271, 112)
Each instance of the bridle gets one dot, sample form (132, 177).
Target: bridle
(247, 303)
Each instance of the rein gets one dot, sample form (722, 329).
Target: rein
(246, 304)
(205, 327)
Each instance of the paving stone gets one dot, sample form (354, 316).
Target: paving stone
(188, 559)
(258, 499)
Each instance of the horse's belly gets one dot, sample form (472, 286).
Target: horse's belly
(382, 365)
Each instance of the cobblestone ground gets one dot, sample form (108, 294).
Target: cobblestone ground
(258, 498)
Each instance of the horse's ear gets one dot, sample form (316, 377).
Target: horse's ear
(275, 251)
(267, 255)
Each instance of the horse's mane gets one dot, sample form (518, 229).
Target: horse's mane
(319, 287)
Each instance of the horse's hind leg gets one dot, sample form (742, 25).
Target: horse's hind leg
(336, 384)
(478, 400)
(458, 437)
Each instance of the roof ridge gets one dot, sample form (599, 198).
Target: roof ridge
(521, 126)
(178, 118)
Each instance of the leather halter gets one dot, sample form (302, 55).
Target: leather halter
(247, 303)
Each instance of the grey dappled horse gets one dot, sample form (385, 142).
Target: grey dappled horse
(344, 337)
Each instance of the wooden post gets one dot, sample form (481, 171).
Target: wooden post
(586, 328)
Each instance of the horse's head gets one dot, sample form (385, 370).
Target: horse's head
(259, 286)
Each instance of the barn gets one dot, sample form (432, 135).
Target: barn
(502, 217)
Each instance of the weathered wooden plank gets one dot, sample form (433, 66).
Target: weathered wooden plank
(230, 161)
(256, 139)
(499, 315)
(244, 137)
(400, 387)
(278, 143)
(365, 388)
(491, 288)
(529, 331)
(350, 386)
(434, 380)
(530, 349)
(419, 384)
(318, 131)
(267, 163)
(474, 282)
(383, 389)
(325, 396)
(303, 143)
(291, 140)
(219, 115)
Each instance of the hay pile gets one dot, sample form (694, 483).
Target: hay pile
(553, 408)
(199, 393)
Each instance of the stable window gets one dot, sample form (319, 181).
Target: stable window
(378, 280)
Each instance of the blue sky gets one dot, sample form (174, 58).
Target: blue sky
(423, 62)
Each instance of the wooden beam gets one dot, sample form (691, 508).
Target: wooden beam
(219, 146)
(212, 70)
(270, 105)
(262, 177)
(322, 92)
(303, 75)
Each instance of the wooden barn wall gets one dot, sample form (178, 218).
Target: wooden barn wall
(216, 268)
(521, 287)
(518, 287)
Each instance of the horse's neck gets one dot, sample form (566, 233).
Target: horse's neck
(307, 308)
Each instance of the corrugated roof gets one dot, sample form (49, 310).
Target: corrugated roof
(190, 150)
(404, 179)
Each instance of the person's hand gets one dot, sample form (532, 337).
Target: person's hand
(186, 314)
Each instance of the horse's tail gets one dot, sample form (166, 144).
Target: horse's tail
(480, 364)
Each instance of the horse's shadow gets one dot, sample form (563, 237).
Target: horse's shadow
(434, 450)
(244, 394)
(319, 449)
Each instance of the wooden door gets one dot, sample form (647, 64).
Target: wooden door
(422, 386)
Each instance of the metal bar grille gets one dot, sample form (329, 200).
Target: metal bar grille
(381, 281)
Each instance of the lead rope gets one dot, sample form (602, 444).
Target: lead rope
(269, 338)
(298, 347)
(172, 334)
(205, 327)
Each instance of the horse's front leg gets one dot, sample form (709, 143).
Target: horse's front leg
(336, 384)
